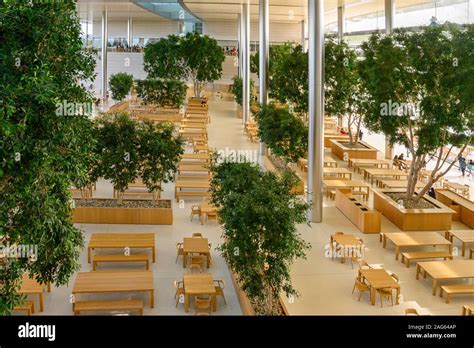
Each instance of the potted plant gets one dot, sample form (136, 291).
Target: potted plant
(260, 239)
(237, 88)
(42, 149)
(422, 99)
(120, 85)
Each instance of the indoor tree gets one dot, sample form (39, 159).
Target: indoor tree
(237, 87)
(193, 57)
(42, 151)
(421, 95)
(259, 214)
(161, 92)
(159, 152)
(120, 85)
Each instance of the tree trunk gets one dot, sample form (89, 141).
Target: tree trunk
(120, 197)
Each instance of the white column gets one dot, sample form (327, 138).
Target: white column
(246, 62)
(341, 22)
(316, 109)
(239, 43)
(264, 57)
(303, 35)
(130, 30)
(389, 20)
(104, 54)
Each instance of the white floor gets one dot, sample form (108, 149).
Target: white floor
(325, 285)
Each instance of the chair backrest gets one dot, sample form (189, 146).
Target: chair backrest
(360, 284)
(338, 233)
(411, 311)
(197, 235)
(195, 266)
(178, 284)
(394, 276)
(220, 283)
(195, 207)
(179, 245)
(364, 265)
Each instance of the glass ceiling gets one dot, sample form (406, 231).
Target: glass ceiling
(171, 9)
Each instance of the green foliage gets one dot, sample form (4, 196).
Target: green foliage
(430, 71)
(41, 151)
(192, 57)
(159, 153)
(283, 132)
(259, 214)
(237, 88)
(120, 85)
(162, 92)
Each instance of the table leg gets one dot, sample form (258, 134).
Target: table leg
(384, 241)
(463, 248)
(208, 256)
(435, 283)
(398, 295)
(152, 298)
(417, 271)
(397, 250)
(41, 300)
(214, 302)
(202, 218)
(373, 295)
(186, 302)
(184, 259)
(153, 253)
(88, 255)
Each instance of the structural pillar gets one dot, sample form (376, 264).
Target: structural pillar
(316, 109)
(104, 55)
(389, 19)
(264, 58)
(341, 22)
(130, 30)
(303, 35)
(239, 44)
(246, 61)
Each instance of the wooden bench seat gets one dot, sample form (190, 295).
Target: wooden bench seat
(193, 176)
(120, 258)
(192, 194)
(421, 255)
(116, 305)
(456, 289)
(28, 306)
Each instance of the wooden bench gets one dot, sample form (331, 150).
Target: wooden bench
(422, 255)
(456, 289)
(471, 252)
(192, 194)
(116, 305)
(193, 176)
(28, 306)
(120, 258)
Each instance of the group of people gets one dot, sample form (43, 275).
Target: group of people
(344, 132)
(463, 165)
(230, 51)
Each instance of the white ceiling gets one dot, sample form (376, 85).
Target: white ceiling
(224, 10)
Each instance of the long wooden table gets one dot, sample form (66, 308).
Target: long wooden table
(328, 163)
(372, 173)
(398, 184)
(357, 163)
(196, 246)
(196, 156)
(352, 184)
(460, 189)
(445, 270)
(379, 279)
(32, 287)
(191, 168)
(412, 239)
(199, 284)
(465, 236)
(190, 184)
(121, 241)
(343, 173)
(466, 206)
(115, 281)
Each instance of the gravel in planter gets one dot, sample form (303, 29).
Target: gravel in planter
(129, 203)
(354, 146)
(421, 204)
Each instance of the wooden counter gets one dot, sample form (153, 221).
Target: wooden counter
(366, 219)
(454, 200)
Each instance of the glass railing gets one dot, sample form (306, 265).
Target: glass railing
(171, 9)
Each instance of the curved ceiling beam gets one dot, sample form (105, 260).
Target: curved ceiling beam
(170, 9)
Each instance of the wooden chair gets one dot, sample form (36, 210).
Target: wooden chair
(364, 265)
(198, 259)
(179, 251)
(360, 285)
(332, 241)
(195, 210)
(197, 235)
(179, 286)
(411, 311)
(220, 285)
(196, 267)
(203, 305)
(388, 292)
(211, 216)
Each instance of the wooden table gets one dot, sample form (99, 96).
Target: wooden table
(198, 246)
(196, 156)
(121, 241)
(199, 284)
(352, 184)
(398, 184)
(356, 163)
(465, 236)
(190, 184)
(192, 133)
(379, 279)
(445, 270)
(345, 241)
(343, 173)
(463, 190)
(328, 163)
(115, 281)
(206, 209)
(192, 168)
(372, 173)
(411, 239)
(32, 287)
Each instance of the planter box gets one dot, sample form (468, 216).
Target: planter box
(123, 215)
(366, 219)
(433, 219)
(119, 107)
(339, 149)
(334, 136)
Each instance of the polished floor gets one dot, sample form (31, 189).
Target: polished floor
(324, 285)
